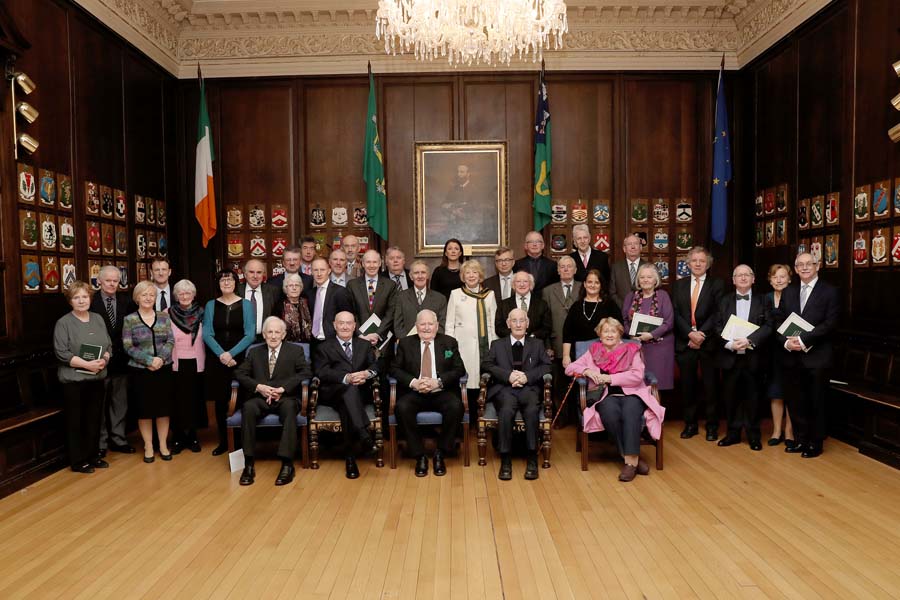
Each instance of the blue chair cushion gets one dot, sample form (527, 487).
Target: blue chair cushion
(270, 420)
(427, 418)
(327, 413)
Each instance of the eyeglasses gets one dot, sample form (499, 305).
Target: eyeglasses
(743, 274)
(801, 265)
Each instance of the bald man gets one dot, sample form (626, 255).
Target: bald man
(373, 294)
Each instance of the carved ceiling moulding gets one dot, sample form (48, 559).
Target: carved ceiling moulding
(248, 42)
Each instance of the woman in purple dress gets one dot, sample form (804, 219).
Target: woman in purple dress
(659, 344)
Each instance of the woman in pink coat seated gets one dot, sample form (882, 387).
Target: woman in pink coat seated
(618, 399)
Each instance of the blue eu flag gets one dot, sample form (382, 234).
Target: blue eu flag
(721, 163)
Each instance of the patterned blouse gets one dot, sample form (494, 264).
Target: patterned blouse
(143, 343)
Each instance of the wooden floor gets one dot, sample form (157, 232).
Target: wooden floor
(716, 523)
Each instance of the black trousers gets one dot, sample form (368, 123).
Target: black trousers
(350, 402)
(688, 361)
(189, 410)
(286, 409)
(445, 402)
(82, 401)
(509, 400)
(741, 389)
(806, 390)
(622, 417)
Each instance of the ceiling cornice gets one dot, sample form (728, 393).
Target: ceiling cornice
(231, 38)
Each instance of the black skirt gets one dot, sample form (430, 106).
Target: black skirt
(190, 399)
(151, 392)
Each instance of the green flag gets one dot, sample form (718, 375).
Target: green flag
(373, 169)
(542, 155)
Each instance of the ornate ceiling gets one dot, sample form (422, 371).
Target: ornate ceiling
(238, 38)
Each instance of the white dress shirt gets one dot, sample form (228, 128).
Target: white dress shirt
(259, 305)
(168, 291)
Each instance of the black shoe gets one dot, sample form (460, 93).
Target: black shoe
(422, 466)
(166, 456)
(690, 430)
(85, 468)
(149, 459)
(176, 448)
(794, 448)
(788, 443)
(352, 469)
(712, 435)
(100, 464)
(775, 440)
(531, 469)
(124, 448)
(367, 446)
(248, 475)
(439, 467)
(219, 450)
(728, 440)
(812, 451)
(755, 445)
(195, 446)
(505, 469)
(102, 453)
(285, 475)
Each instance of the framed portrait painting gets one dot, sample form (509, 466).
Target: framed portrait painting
(461, 192)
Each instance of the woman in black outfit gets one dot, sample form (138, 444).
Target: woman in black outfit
(229, 327)
(445, 278)
(593, 305)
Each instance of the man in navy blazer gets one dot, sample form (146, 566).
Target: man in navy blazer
(517, 365)
(696, 301)
(738, 357)
(326, 299)
(383, 292)
(534, 262)
(586, 258)
(807, 357)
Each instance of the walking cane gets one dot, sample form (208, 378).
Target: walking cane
(563, 403)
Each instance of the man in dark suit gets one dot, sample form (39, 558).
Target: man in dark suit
(501, 283)
(343, 365)
(113, 306)
(418, 297)
(560, 297)
(428, 368)
(534, 262)
(373, 293)
(539, 324)
(696, 300)
(326, 299)
(272, 375)
(738, 357)
(623, 275)
(395, 268)
(291, 261)
(517, 365)
(261, 297)
(350, 245)
(807, 357)
(586, 258)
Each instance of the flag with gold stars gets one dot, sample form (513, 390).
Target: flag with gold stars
(721, 163)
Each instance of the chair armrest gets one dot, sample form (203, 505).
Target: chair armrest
(463, 393)
(232, 400)
(304, 396)
(482, 393)
(548, 396)
(392, 395)
(548, 379)
(582, 392)
(376, 396)
(650, 378)
(312, 390)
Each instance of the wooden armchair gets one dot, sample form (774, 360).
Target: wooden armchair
(427, 418)
(582, 440)
(326, 418)
(488, 419)
(235, 418)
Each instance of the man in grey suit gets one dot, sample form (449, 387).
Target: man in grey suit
(417, 298)
(623, 274)
(560, 296)
(373, 293)
(517, 365)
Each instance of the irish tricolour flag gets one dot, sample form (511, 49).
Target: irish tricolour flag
(204, 192)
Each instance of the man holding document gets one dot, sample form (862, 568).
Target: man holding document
(744, 326)
(812, 310)
(373, 295)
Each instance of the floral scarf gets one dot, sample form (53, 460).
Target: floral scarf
(616, 360)
(298, 321)
(638, 299)
(187, 319)
(481, 311)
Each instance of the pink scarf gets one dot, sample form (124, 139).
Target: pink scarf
(616, 360)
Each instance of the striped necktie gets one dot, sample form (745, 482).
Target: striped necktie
(111, 312)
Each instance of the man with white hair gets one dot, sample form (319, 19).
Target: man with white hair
(561, 296)
(586, 258)
(350, 245)
(272, 375)
(395, 268)
(337, 262)
(539, 324)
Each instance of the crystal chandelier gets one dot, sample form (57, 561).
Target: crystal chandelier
(471, 31)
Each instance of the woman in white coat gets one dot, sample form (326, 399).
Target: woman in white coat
(470, 320)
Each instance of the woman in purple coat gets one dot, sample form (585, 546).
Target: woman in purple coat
(659, 344)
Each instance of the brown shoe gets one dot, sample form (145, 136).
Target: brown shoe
(642, 467)
(628, 473)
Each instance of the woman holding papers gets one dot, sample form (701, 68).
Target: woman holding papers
(81, 345)
(649, 317)
(779, 279)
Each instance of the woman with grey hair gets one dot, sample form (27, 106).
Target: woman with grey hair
(659, 343)
(188, 361)
(294, 310)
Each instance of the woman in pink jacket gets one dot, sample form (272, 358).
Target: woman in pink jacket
(188, 362)
(618, 399)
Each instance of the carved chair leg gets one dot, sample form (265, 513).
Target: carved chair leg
(393, 445)
(304, 447)
(379, 444)
(313, 446)
(546, 445)
(466, 444)
(585, 449)
(482, 443)
(659, 453)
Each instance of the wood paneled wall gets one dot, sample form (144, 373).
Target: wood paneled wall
(298, 141)
(820, 115)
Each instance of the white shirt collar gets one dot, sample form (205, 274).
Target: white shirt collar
(513, 340)
(277, 350)
(812, 283)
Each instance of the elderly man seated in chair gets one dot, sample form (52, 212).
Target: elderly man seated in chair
(428, 366)
(344, 364)
(517, 365)
(272, 375)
